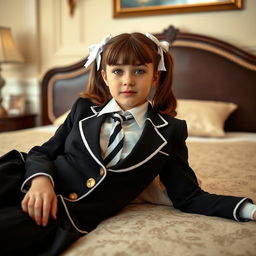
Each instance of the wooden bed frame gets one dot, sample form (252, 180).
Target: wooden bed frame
(204, 68)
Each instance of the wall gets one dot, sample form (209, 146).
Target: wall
(66, 39)
(48, 36)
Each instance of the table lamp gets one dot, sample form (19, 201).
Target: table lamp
(9, 53)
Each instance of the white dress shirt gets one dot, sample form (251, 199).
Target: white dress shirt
(132, 128)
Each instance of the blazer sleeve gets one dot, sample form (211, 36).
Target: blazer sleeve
(182, 186)
(39, 160)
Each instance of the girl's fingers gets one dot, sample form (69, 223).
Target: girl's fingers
(38, 210)
(49, 207)
(46, 211)
(30, 206)
(24, 204)
(54, 208)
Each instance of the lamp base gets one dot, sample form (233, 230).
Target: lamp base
(2, 111)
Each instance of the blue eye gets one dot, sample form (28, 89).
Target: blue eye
(117, 71)
(139, 72)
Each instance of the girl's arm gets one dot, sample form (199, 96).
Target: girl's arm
(40, 200)
(183, 189)
(40, 159)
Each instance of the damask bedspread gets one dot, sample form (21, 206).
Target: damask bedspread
(223, 167)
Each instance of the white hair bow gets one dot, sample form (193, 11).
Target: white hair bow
(95, 51)
(161, 46)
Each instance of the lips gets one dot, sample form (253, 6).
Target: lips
(128, 92)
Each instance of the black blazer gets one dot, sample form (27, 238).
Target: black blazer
(90, 192)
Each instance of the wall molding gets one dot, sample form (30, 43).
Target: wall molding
(63, 23)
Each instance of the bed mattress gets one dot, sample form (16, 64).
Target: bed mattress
(225, 166)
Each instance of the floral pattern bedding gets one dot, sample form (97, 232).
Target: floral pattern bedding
(150, 229)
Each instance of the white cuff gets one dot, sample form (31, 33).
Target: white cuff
(235, 214)
(247, 210)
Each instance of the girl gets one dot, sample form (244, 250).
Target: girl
(112, 145)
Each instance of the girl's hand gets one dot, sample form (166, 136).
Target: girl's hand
(40, 201)
(254, 216)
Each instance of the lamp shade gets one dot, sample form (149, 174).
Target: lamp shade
(9, 52)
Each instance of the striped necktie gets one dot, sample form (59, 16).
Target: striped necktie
(116, 140)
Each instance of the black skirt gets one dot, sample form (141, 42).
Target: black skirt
(19, 234)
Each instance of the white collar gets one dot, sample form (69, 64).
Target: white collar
(139, 112)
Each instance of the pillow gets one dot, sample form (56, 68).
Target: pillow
(205, 118)
(60, 120)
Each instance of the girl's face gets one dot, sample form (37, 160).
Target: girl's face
(130, 85)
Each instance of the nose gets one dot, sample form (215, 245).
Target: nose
(128, 79)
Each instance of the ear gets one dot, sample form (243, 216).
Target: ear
(104, 76)
(156, 78)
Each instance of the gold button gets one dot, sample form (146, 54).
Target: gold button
(90, 182)
(73, 196)
(102, 172)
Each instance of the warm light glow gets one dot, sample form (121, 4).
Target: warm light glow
(8, 49)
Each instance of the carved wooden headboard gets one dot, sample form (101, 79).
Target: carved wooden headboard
(204, 68)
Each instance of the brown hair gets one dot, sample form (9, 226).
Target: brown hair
(130, 49)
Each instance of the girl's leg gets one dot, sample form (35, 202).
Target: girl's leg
(12, 170)
(19, 235)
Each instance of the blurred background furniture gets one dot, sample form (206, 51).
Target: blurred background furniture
(9, 53)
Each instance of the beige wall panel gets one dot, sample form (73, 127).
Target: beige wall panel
(68, 32)
(62, 36)
(66, 39)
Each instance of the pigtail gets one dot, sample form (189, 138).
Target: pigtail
(96, 90)
(164, 100)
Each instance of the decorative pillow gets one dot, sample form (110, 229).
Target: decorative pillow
(205, 118)
(60, 120)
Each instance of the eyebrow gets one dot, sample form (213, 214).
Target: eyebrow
(137, 65)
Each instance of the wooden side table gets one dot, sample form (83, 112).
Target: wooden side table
(17, 122)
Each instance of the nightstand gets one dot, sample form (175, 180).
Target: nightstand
(17, 122)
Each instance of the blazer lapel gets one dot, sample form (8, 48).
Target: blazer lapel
(149, 144)
(90, 130)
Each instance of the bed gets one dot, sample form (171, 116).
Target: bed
(215, 83)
